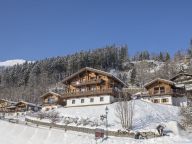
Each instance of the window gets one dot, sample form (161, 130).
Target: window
(101, 98)
(156, 90)
(164, 100)
(82, 100)
(73, 101)
(51, 100)
(91, 99)
(162, 89)
(156, 101)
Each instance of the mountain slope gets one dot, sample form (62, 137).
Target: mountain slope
(9, 63)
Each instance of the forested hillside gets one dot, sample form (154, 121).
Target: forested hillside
(30, 80)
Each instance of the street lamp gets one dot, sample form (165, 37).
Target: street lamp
(106, 118)
(106, 112)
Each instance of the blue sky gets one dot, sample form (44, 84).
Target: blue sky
(36, 29)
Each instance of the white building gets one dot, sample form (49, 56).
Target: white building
(164, 92)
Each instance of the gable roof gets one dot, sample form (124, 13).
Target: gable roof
(159, 80)
(4, 100)
(96, 71)
(27, 103)
(180, 74)
(48, 93)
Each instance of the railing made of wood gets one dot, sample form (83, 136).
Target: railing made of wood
(87, 82)
(90, 93)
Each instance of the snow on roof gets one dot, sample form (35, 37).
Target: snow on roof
(50, 92)
(159, 79)
(11, 107)
(8, 101)
(180, 74)
(28, 103)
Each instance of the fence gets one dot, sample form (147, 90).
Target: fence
(90, 131)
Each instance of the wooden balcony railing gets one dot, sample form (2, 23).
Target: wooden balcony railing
(171, 92)
(91, 93)
(88, 82)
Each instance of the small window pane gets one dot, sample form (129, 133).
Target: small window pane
(156, 100)
(82, 100)
(91, 99)
(101, 99)
(164, 100)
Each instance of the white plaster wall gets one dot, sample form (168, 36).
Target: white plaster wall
(180, 101)
(150, 99)
(107, 100)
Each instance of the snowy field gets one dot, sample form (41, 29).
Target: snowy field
(21, 134)
(146, 115)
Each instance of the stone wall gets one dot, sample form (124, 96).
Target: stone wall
(90, 131)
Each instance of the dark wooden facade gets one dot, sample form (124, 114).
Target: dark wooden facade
(23, 106)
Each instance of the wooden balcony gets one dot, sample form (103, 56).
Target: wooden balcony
(88, 82)
(110, 91)
(161, 93)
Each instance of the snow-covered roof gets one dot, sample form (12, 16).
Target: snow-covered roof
(48, 93)
(94, 70)
(180, 74)
(160, 80)
(27, 103)
(12, 102)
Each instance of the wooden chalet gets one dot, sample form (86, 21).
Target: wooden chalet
(90, 86)
(164, 91)
(51, 100)
(23, 106)
(4, 104)
(183, 80)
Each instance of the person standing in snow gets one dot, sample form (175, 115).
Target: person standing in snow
(160, 130)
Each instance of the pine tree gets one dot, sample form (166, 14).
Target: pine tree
(190, 49)
(167, 57)
(133, 76)
(161, 58)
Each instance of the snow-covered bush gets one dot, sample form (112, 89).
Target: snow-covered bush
(41, 115)
(54, 117)
(67, 120)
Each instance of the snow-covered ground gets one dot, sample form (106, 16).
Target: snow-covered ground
(146, 115)
(21, 134)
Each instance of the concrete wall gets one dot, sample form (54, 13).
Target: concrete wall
(159, 98)
(89, 130)
(176, 101)
(107, 99)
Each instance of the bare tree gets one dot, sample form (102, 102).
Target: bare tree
(124, 112)
(186, 113)
(54, 117)
(41, 115)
